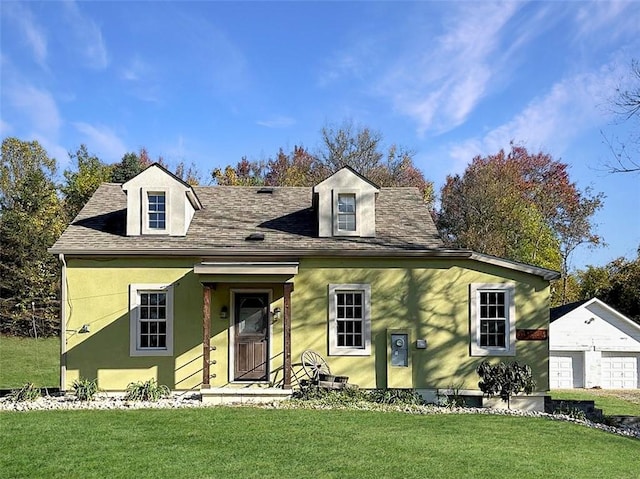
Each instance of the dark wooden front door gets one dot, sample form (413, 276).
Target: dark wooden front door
(251, 330)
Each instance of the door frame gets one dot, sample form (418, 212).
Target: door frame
(232, 333)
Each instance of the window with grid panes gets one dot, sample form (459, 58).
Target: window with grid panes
(493, 319)
(150, 319)
(349, 318)
(157, 211)
(346, 212)
(152, 323)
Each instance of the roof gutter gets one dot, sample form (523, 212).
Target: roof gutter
(325, 253)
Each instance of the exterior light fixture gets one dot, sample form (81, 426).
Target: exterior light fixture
(224, 311)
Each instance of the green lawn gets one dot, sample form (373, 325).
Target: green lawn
(262, 443)
(612, 402)
(29, 360)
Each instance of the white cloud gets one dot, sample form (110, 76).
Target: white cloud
(103, 141)
(447, 80)
(5, 128)
(550, 122)
(610, 19)
(34, 35)
(38, 106)
(277, 122)
(142, 80)
(88, 35)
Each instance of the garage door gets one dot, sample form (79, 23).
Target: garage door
(565, 370)
(619, 371)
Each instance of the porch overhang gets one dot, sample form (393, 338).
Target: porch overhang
(250, 268)
(211, 273)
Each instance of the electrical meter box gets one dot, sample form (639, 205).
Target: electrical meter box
(399, 367)
(399, 350)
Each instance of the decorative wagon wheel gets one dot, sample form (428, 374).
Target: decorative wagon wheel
(314, 364)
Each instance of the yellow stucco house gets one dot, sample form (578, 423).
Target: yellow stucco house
(220, 290)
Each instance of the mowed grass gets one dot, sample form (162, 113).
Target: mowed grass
(624, 402)
(261, 443)
(29, 360)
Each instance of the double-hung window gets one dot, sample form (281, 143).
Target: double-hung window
(492, 319)
(151, 319)
(350, 319)
(346, 212)
(157, 210)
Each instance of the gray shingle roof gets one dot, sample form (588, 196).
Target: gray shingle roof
(230, 214)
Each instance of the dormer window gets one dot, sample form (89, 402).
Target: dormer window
(346, 205)
(157, 210)
(346, 212)
(159, 203)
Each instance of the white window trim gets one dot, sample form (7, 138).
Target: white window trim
(346, 191)
(474, 300)
(334, 349)
(144, 217)
(134, 313)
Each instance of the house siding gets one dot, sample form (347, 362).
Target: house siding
(429, 297)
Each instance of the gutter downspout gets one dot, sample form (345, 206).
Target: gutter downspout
(63, 325)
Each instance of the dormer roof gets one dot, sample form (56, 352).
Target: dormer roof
(142, 177)
(346, 205)
(159, 203)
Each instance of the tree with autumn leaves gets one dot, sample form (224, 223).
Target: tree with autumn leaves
(520, 206)
(347, 145)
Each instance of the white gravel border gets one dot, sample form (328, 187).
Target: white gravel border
(192, 400)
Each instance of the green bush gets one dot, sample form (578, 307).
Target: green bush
(146, 391)
(85, 389)
(28, 392)
(505, 380)
(567, 409)
(352, 395)
(451, 399)
(396, 396)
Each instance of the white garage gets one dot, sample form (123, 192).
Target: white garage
(593, 345)
(566, 370)
(619, 371)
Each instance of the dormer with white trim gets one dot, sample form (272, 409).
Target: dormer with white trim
(159, 203)
(346, 205)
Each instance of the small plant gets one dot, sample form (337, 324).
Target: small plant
(396, 396)
(571, 411)
(85, 389)
(146, 391)
(451, 398)
(28, 392)
(332, 397)
(505, 380)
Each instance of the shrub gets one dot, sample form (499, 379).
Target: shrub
(353, 395)
(331, 397)
(396, 396)
(85, 389)
(567, 409)
(28, 392)
(146, 391)
(451, 398)
(505, 380)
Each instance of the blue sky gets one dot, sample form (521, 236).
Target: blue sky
(210, 82)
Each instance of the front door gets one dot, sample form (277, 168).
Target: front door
(251, 332)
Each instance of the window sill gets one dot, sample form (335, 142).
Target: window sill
(150, 352)
(480, 352)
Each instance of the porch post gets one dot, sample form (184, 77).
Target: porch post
(206, 335)
(288, 288)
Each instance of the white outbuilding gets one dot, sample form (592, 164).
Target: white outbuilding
(593, 345)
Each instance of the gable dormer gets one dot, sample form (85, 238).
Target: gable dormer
(159, 203)
(346, 205)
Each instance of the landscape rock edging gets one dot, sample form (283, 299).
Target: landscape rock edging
(626, 426)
